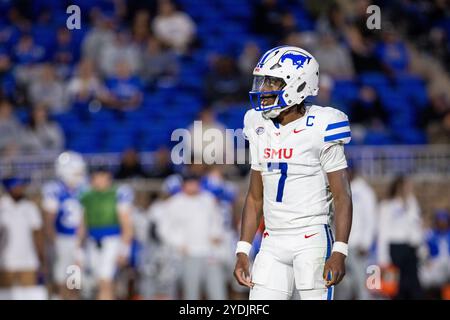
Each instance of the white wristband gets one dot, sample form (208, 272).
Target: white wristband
(341, 247)
(244, 247)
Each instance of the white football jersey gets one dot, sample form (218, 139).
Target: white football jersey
(293, 162)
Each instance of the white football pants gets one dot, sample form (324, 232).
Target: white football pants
(65, 247)
(291, 260)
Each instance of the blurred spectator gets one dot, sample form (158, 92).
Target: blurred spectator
(288, 24)
(159, 65)
(306, 40)
(439, 131)
(173, 27)
(400, 235)
(223, 85)
(435, 273)
(267, 17)
(65, 52)
(141, 27)
(334, 59)
(11, 131)
(134, 7)
(98, 37)
(362, 51)
(194, 229)
(125, 89)
(361, 238)
(226, 193)
(9, 34)
(120, 49)
(7, 81)
(248, 59)
(22, 243)
(160, 263)
(162, 164)
(49, 90)
(392, 52)
(205, 129)
(42, 135)
(324, 98)
(85, 87)
(356, 12)
(43, 29)
(332, 17)
(26, 54)
(437, 119)
(20, 16)
(367, 109)
(130, 166)
(438, 46)
(107, 215)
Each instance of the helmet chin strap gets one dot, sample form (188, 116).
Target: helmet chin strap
(271, 114)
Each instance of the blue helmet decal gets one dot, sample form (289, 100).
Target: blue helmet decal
(298, 58)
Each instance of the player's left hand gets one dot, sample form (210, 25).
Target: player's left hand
(334, 270)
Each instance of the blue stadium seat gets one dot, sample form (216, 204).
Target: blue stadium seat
(345, 91)
(83, 144)
(377, 138)
(409, 135)
(414, 89)
(150, 140)
(119, 141)
(376, 80)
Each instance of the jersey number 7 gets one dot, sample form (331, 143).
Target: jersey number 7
(283, 166)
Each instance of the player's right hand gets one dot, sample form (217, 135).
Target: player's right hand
(241, 270)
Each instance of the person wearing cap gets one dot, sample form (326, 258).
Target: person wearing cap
(109, 230)
(21, 242)
(193, 227)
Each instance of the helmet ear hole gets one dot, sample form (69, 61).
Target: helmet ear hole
(301, 87)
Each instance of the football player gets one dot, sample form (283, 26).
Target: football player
(298, 180)
(64, 215)
(108, 229)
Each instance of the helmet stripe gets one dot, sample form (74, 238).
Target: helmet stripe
(266, 55)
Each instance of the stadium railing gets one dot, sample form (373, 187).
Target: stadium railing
(424, 162)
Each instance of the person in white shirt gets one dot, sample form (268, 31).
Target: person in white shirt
(298, 181)
(174, 28)
(400, 233)
(193, 226)
(361, 238)
(85, 85)
(21, 242)
(159, 263)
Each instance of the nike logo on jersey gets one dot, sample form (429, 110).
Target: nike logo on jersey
(310, 235)
(297, 131)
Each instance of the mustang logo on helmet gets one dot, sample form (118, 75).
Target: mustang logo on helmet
(297, 59)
